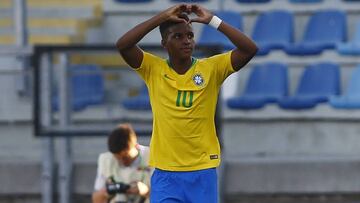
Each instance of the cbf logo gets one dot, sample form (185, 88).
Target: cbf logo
(198, 79)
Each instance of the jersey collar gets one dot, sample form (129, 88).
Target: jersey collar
(193, 61)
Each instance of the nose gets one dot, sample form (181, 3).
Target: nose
(186, 40)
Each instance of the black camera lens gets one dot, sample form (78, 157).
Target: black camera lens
(114, 188)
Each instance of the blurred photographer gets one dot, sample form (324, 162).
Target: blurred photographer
(123, 174)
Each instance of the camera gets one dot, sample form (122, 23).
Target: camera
(116, 187)
(113, 187)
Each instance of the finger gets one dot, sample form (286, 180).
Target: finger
(183, 8)
(194, 7)
(188, 8)
(197, 10)
(179, 20)
(197, 20)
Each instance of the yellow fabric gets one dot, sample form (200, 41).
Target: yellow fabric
(184, 136)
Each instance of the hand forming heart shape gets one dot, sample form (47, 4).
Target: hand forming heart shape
(203, 15)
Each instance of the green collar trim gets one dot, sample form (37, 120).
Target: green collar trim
(193, 61)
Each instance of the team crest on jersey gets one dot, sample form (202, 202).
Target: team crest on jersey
(198, 79)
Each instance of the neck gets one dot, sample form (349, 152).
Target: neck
(180, 65)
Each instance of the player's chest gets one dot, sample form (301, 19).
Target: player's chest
(182, 90)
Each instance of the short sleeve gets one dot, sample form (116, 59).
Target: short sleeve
(100, 180)
(222, 66)
(145, 68)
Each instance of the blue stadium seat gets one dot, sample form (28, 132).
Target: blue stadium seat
(87, 87)
(305, 1)
(140, 102)
(324, 30)
(253, 1)
(267, 83)
(210, 36)
(190, 1)
(273, 30)
(351, 98)
(317, 84)
(352, 47)
(133, 1)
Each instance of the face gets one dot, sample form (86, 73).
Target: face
(179, 41)
(127, 156)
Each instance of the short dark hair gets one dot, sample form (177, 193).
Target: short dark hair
(119, 139)
(163, 27)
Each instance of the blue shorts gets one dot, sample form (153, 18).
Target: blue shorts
(184, 187)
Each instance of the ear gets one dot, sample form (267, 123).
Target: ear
(163, 43)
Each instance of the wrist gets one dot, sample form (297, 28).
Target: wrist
(215, 22)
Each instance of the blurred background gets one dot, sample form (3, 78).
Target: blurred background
(288, 122)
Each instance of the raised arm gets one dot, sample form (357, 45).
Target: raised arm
(127, 44)
(245, 47)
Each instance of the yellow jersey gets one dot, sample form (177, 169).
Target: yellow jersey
(184, 136)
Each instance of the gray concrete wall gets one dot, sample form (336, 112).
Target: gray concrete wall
(273, 151)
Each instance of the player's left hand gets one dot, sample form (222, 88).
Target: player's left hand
(203, 15)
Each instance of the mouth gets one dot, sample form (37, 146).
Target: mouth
(187, 49)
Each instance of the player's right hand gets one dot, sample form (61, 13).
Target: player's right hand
(174, 12)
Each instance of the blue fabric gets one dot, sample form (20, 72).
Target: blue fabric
(351, 98)
(317, 84)
(267, 83)
(184, 187)
(273, 30)
(352, 47)
(87, 87)
(211, 36)
(140, 102)
(324, 30)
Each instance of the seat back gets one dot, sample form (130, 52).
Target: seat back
(144, 90)
(322, 79)
(210, 36)
(356, 37)
(269, 79)
(326, 27)
(275, 27)
(87, 84)
(353, 88)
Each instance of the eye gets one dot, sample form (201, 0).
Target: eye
(177, 36)
(190, 35)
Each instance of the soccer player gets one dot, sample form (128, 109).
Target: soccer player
(183, 91)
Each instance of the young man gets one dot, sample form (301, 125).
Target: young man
(125, 163)
(183, 92)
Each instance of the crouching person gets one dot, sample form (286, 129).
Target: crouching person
(123, 174)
